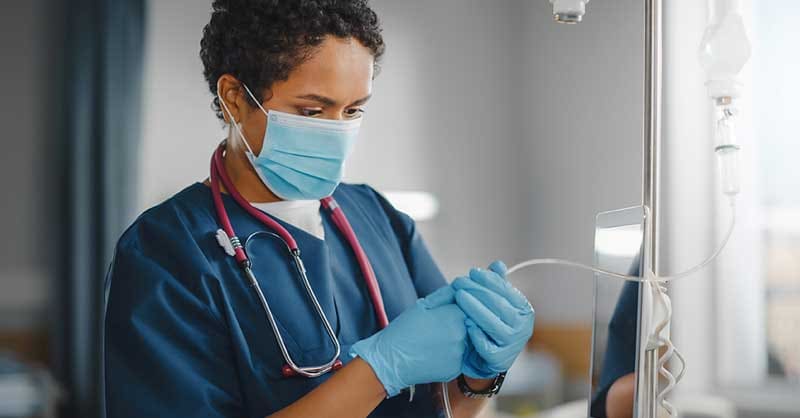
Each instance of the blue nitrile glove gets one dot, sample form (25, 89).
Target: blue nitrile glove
(499, 320)
(425, 344)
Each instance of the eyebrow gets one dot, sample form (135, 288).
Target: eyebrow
(327, 101)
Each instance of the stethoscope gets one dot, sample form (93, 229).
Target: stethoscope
(233, 247)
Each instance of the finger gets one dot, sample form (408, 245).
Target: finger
(494, 302)
(499, 267)
(501, 286)
(474, 365)
(486, 349)
(461, 282)
(490, 279)
(486, 320)
(443, 296)
(481, 343)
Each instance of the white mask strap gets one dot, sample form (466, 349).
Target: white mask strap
(233, 122)
(254, 99)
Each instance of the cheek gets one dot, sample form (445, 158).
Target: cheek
(254, 130)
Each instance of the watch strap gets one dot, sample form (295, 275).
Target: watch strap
(492, 390)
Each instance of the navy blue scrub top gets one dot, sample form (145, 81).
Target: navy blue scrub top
(185, 336)
(620, 356)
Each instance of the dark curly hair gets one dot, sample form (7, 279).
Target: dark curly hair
(261, 41)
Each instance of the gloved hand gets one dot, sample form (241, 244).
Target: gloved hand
(499, 320)
(424, 344)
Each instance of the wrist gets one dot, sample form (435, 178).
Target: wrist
(479, 384)
(370, 379)
(367, 350)
(475, 393)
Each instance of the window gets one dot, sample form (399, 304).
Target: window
(776, 88)
(782, 257)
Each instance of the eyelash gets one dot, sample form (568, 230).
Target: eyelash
(315, 112)
(309, 112)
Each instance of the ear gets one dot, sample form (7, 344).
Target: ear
(229, 92)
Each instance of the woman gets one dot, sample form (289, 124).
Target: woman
(187, 333)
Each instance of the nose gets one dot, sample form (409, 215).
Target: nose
(336, 114)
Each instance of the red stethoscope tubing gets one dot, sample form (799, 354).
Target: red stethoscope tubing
(218, 174)
(361, 257)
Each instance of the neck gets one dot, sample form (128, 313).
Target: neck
(243, 175)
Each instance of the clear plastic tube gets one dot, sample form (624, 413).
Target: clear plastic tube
(645, 278)
(727, 149)
(448, 411)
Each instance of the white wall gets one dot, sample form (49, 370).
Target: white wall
(582, 90)
(524, 129)
(687, 155)
(452, 85)
(180, 130)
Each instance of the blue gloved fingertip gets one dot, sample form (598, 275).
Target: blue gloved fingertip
(460, 282)
(499, 267)
(481, 275)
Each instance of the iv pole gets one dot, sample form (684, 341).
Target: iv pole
(646, 404)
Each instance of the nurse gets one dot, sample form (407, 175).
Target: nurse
(186, 331)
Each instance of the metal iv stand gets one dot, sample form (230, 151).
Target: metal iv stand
(646, 398)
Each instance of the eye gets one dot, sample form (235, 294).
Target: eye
(354, 112)
(310, 112)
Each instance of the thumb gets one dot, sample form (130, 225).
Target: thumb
(444, 296)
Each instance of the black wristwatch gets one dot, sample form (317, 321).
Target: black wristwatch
(483, 394)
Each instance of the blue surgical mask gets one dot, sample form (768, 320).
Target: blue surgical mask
(301, 158)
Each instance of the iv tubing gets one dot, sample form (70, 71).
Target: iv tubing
(662, 279)
(448, 410)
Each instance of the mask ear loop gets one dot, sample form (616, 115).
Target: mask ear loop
(233, 122)
(254, 99)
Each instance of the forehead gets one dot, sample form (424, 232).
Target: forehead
(341, 69)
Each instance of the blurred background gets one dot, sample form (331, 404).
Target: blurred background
(512, 130)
